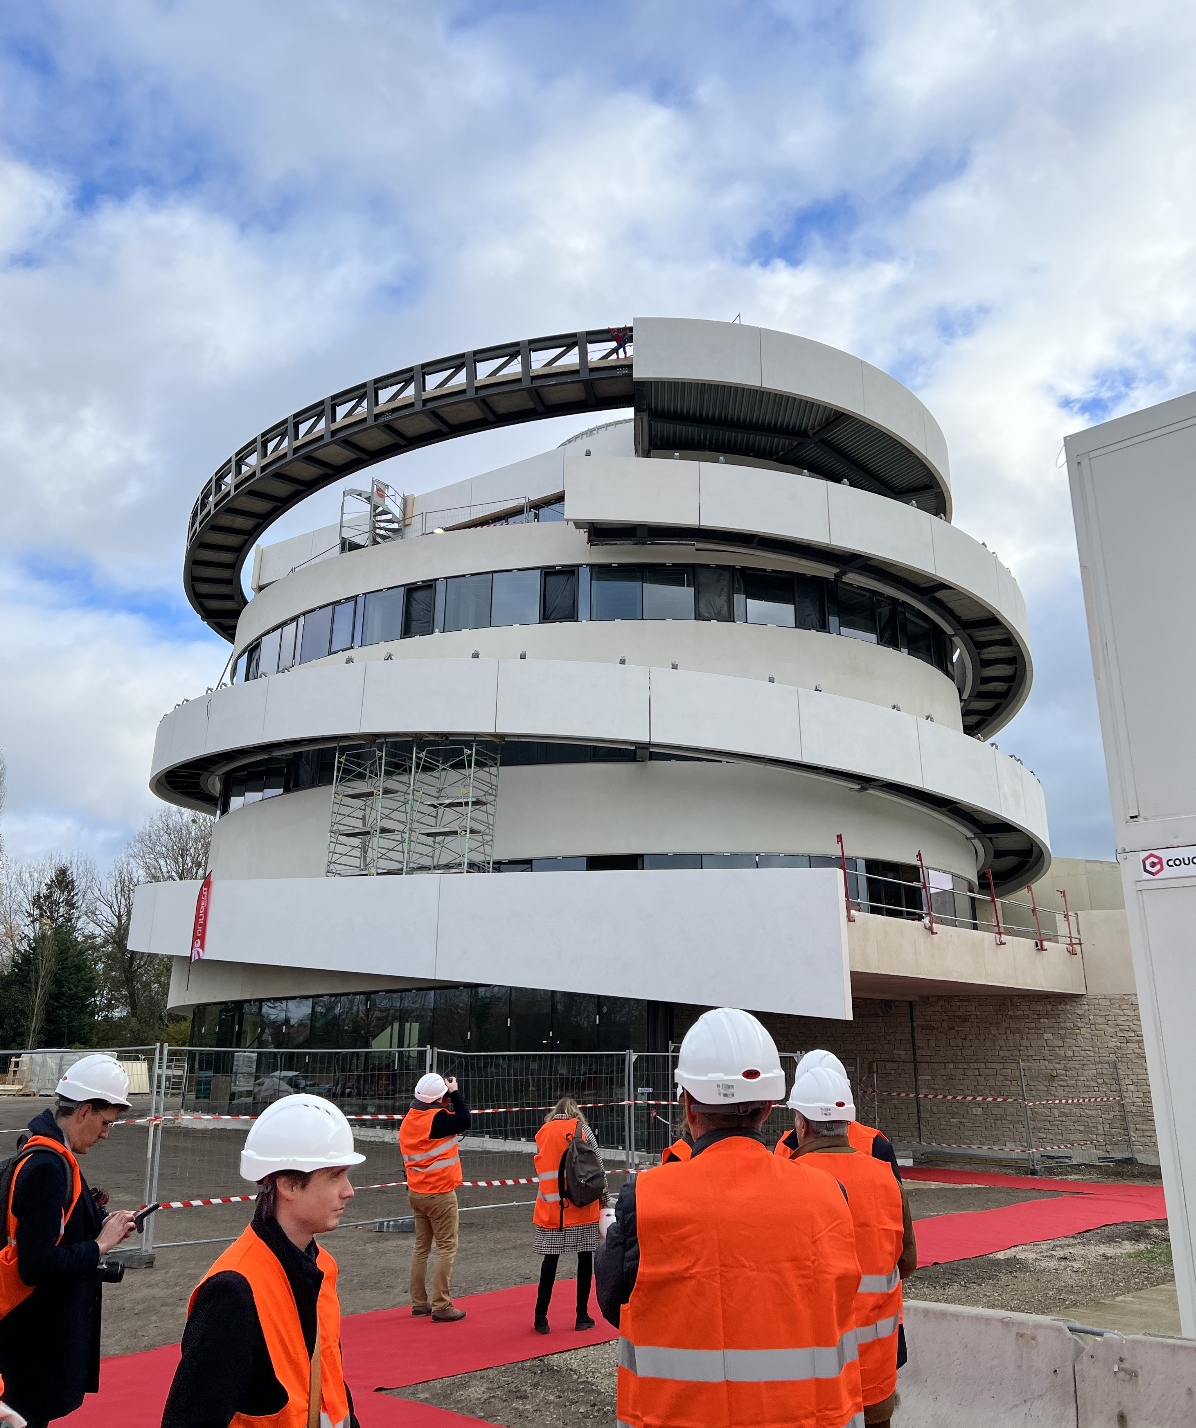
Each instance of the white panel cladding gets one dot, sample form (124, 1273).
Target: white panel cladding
(407, 696)
(664, 493)
(328, 699)
(189, 731)
(163, 756)
(713, 937)
(825, 373)
(692, 349)
(958, 767)
(860, 521)
(704, 711)
(964, 562)
(733, 500)
(845, 734)
(889, 404)
(599, 702)
(239, 721)
(281, 837)
(569, 700)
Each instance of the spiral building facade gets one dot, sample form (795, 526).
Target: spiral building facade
(729, 634)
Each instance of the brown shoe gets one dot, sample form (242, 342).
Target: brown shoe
(447, 1316)
(420, 1310)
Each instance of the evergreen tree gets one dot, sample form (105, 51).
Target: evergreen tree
(48, 996)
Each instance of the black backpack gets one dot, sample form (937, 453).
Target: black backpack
(580, 1178)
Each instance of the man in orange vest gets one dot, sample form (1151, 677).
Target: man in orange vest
(56, 1236)
(263, 1338)
(429, 1136)
(732, 1276)
(884, 1231)
(864, 1138)
(681, 1149)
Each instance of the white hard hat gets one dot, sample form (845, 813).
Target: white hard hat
(820, 1058)
(727, 1058)
(822, 1094)
(298, 1132)
(95, 1078)
(431, 1088)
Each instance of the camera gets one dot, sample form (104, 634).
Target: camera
(110, 1271)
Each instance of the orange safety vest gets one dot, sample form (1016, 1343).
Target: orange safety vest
(679, 1150)
(553, 1213)
(13, 1289)
(433, 1167)
(859, 1136)
(274, 1301)
(875, 1201)
(743, 1307)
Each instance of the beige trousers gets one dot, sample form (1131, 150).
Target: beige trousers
(435, 1220)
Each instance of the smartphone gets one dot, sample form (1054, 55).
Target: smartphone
(141, 1216)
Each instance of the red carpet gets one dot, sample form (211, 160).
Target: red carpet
(1073, 1206)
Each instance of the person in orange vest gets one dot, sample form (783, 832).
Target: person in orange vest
(263, 1338)
(732, 1276)
(429, 1137)
(884, 1230)
(681, 1149)
(563, 1228)
(864, 1138)
(56, 1237)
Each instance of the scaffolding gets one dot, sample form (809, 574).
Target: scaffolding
(413, 806)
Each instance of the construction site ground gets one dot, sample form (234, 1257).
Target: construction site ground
(1093, 1272)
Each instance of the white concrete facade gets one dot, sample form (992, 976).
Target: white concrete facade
(752, 736)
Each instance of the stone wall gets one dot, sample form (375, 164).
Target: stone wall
(972, 1046)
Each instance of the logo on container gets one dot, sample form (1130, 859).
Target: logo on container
(1152, 864)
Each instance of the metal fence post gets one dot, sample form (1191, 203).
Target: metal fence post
(1125, 1111)
(147, 1240)
(147, 1234)
(1021, 1071)
(629, 1110)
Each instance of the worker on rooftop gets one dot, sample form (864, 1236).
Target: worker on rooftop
(732, 1276)
(884, 1230)
(262, 1344)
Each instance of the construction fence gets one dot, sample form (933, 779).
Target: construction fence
(180, 1143)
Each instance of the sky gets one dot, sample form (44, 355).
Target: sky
(211, 214)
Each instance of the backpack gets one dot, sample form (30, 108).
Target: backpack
(580, 1178)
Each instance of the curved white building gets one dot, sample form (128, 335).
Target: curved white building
(730, 634)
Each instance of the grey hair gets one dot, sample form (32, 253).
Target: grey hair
(827, 1127)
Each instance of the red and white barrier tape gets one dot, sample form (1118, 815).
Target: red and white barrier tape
(1003, 1100)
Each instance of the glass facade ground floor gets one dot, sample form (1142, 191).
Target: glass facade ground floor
(488, 1018)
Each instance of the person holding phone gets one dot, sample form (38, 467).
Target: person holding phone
(52, 1266)
(429, 1137)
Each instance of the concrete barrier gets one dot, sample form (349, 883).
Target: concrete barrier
(986, 1369)
(1136, 1382)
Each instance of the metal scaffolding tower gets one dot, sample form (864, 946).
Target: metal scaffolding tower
(413, 806)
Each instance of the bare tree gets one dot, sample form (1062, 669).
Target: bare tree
(172, 846)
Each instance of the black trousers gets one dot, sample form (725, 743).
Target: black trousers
(585, 1275)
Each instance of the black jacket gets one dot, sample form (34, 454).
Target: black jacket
(226, 1368)
(446, 1123)
(50, 1343)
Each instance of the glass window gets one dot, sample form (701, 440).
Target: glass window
(919, 637)
(714, 592)
(886, 624)
(516, 598)
(326, 1022)
(614, 863)
(383, 618)
(251, 664)
(384, 1027)
(275, 778)
(810, 596)
(268, 655)
(728, 860)
(782, 860)
(574, 1022)
(255, 782)
(553, 512)
(286, 650)
(239, 670)
(668, 592)
(583, 592)
(768, 595)
(531, 1019)
(513, 865)
(857, 613)
(490, 1014)
(452, 1018)
(438, 616)
(559, 601)
(251, 1024)
(616, 592)
(417, 610)
(342, 626)
(622, 1024)
(672, 860)
(558, 865)
(317, 630)
(467, 602)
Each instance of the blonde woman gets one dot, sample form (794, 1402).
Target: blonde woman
(562, 1228)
